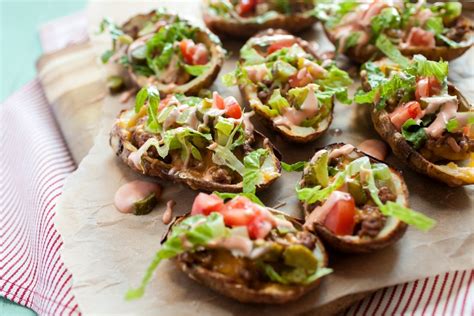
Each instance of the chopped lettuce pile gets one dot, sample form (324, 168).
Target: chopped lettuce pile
(192, 126)
(357, 23)
(288, 81)
(399, 80)
(155, 49)
(325, 179)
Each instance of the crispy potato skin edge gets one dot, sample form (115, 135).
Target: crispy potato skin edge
(240, 292)
(404, 151)
(349, 246)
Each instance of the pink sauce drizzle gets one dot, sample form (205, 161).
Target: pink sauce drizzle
(375, 148)
(130, 193)
(168, 214)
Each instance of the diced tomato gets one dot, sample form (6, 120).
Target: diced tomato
(200, 55)
(410, 110)
(427, 87)
(259, 227)
(206, 204)
(246, 6)
(239, 211)
(340, 219)
(233, 109)
(193, 54)
(288, 42)
(218, 101)
(420, 37)
(185, 47)
(301, 78)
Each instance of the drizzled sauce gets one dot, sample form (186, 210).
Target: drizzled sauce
(130, 193)
(168, 214)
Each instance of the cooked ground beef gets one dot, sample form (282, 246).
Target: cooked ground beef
(386, 195)
(306, 239)
(459, 30)
(372, 221)
(221, 174)
(448, 147)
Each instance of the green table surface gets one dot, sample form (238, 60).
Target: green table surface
(20, 48)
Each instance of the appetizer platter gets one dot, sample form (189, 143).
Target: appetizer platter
(283, 192)
(244, 18)
(360, 28)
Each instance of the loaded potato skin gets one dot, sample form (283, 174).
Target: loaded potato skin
(245, 18)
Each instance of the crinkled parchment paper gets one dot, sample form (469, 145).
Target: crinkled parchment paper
(108, 252)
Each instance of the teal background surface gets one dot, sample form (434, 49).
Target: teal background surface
(20, 45)
(20, 48)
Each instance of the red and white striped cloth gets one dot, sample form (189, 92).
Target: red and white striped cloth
(34, 162)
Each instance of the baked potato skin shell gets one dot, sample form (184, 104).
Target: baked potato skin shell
(404, 151)
(247, 93)
(224, 285)
(153, 167)
(345, 245)
(363, 54)
(194, 86)
(295, 23)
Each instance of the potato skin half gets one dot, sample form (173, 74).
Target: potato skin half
(404, 151)
(153, 167)
(249, 93)
(246, 28)
(195, 85)
(367, 52)
(350, 245)
(222, 284)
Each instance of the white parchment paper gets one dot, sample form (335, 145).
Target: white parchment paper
(108, 252)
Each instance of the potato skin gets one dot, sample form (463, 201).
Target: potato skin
(404, 151)
(248, 93)
(365, 53)
(278, 294)
(153, 167)
(192, 87)
(347, 245)
(246, 28)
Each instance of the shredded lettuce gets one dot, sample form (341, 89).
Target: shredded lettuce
(297, 166)
(388, 18)
(423, 67)
(196, 231)
(282, 70)
(223, 156)
(252, 175)
(227, 195)
(277, 102)
(195, 70)
(224, 128)
(331, 12)
(452, 125)
(391, 51)
(251, 56)
(335, 83)
(414, 133)
(317, 171)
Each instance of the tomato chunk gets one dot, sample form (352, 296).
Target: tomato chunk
(340, 219)
(193, 54)
(233, 109)
(427, 87)
(420, 37)
(259, 227)
(301, 78)
(206, 204)
(280, 44)
(246, 6)
(218, 101)
(410, 110)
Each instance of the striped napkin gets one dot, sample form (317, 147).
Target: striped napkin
(34, 163)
